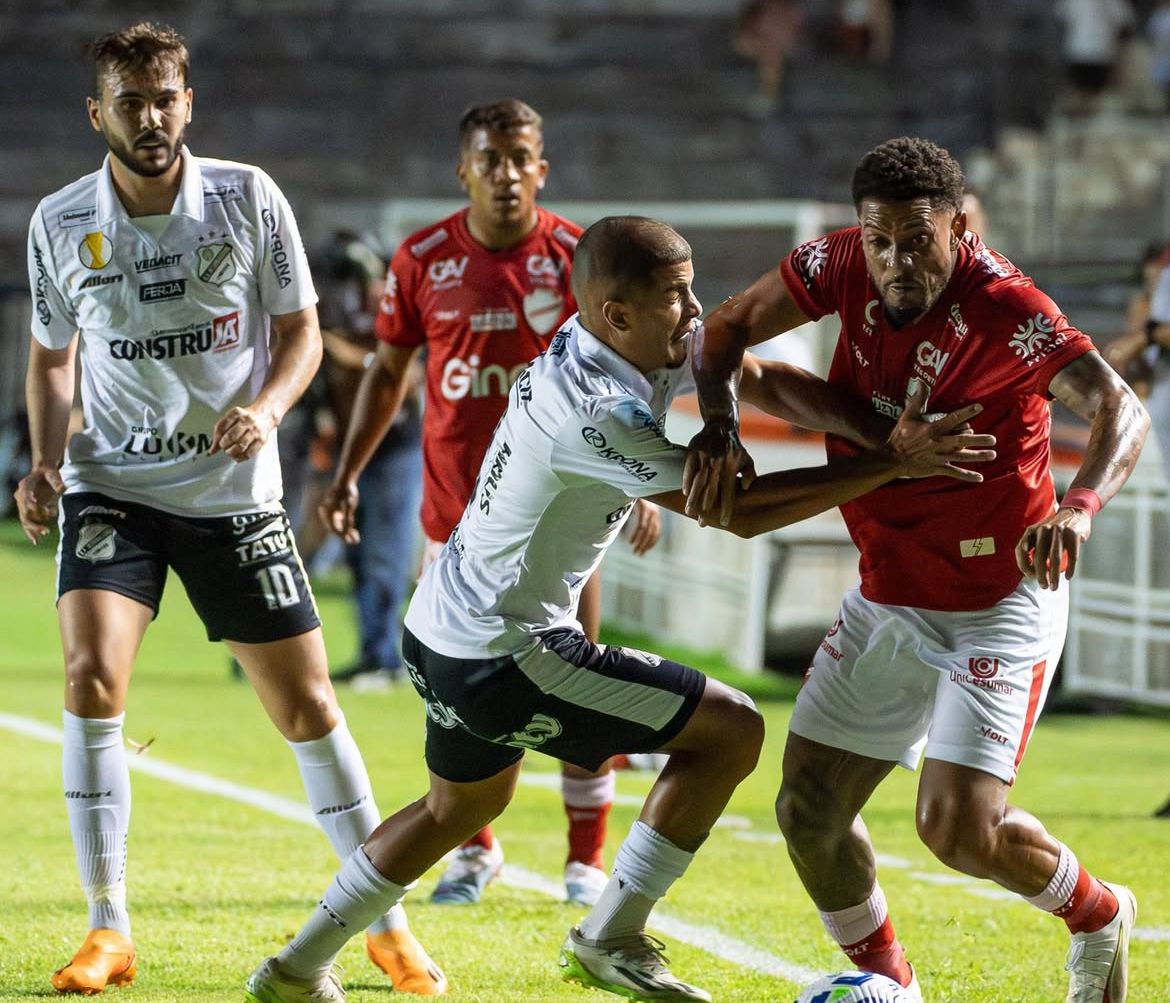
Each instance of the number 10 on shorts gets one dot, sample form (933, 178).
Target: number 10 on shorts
(279, 586)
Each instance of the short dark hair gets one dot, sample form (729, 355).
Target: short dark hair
(141, 46)
(499, 116)
(909, 168)
(625, 251)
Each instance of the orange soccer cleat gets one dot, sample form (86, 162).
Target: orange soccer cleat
(402, 957)
(105, 959)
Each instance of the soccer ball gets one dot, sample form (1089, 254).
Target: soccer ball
(854, 987)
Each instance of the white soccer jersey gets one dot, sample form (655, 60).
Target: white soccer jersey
(583, 434)
(173, 313)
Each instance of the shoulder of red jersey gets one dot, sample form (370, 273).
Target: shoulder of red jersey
(425, 242)
(808, 260)
(564, 231)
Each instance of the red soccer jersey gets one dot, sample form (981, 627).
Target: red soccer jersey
(483, 316)
(992, 338)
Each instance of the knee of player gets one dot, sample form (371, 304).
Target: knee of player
(466, 810)
(93, 684)
(310, 716)
(799, 812)
(742, 726)
(959, 835)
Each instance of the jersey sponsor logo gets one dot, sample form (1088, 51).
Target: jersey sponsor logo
(618, 514)
(833, 652)
(811, 258)
(990, 262)
(836, 628)
(465, 379)
(447, 272)
(388, 303)
(215, 263)
(95, 250)
(96, 541)
(885, 405)
(145, 440)
(443, 715)
(958, 325)
(97, 281)
(155, 263)
(278, 256)
(491, 482)
(981, 672)
(931, 358)
(77, 217)
(194, 339)
(544, 267)
(271, 540)
(870, 316)
(429, 243)
(645, 657)
(534, 734)
(158, 292)
(1036, 338)
(983, 667)
(498, 319)
(223, 193)
(523, 386)
(986, 731)
(594, 437)
(857, 354)
(543, 309)
(981, 546)
(446, 316)
(638, 469)
(41, 292)
(565, 237)
(559, 343)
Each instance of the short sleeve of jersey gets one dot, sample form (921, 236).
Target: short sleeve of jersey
(53, 322)
(398, 322)
(615, 440)
(814, 272)
(284, 281)
(1043, 339)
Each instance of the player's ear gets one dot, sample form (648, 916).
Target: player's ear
(541, 173)
(616, 315)
(190, 102)
(958, 228)
(461, 172)
(94, 109)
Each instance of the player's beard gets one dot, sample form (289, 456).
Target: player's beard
(126, 155)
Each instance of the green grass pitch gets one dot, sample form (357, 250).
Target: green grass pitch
(215, 885)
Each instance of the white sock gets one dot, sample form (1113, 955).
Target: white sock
(1060, 888)
(647, 865)
(339, 793)
(588, 792)
(358, 895)
(97, 799)
(852, 925)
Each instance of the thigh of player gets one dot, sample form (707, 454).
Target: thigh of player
(993, 684)
(870, 688)
(110, 580)
(562, 695)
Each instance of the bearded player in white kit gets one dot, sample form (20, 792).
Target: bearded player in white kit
(181, 284)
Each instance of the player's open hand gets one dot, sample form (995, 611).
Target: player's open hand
(242, 433)
(925, 448)
(645, 526)
(338, 510)
(36, 501)
(715, 461)
(1051, 543)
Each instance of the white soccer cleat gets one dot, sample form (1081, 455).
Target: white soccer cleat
(914, 990)
(469, 873)
(268, 984)
(584, 884)
(1098, 963)
(634, 967)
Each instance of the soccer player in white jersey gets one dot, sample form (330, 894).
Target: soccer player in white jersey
(492, 641)
(182, 285)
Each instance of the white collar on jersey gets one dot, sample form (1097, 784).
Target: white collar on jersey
(189, 201)
(598, 353)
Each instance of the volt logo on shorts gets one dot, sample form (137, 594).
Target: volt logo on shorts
(536, 732)
(996, 736)
(96, 541)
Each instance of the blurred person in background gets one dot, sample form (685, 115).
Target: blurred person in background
(948, 646)
(865, 29)
(482, 291)
(767, 32)
(181, 284)
(350, 282)
(1093, 35)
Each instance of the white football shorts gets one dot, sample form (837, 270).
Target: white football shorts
(890, 682)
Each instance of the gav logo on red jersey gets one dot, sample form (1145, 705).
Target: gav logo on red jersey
(930, 358)
(447, 272)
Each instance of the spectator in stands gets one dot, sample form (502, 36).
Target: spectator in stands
(766, 32)
(1158, 35)
(1093, 32)
(1132, 354)
(865, 29)
(350, 281)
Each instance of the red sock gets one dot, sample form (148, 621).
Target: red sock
(587, 834)
(482, 838)
(880, 952)
(1090, 907)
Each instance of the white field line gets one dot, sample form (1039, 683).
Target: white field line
(708, 939)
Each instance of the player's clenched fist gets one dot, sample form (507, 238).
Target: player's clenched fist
(242, 433)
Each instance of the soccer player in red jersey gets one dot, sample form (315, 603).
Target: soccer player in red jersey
(949, 644)
(484, 291)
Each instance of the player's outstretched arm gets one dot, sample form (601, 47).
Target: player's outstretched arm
(379, 396)
(1118, 426)
(915, 448)
(49, 397)
(296, 356)
(798, 396)
(716, 456)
